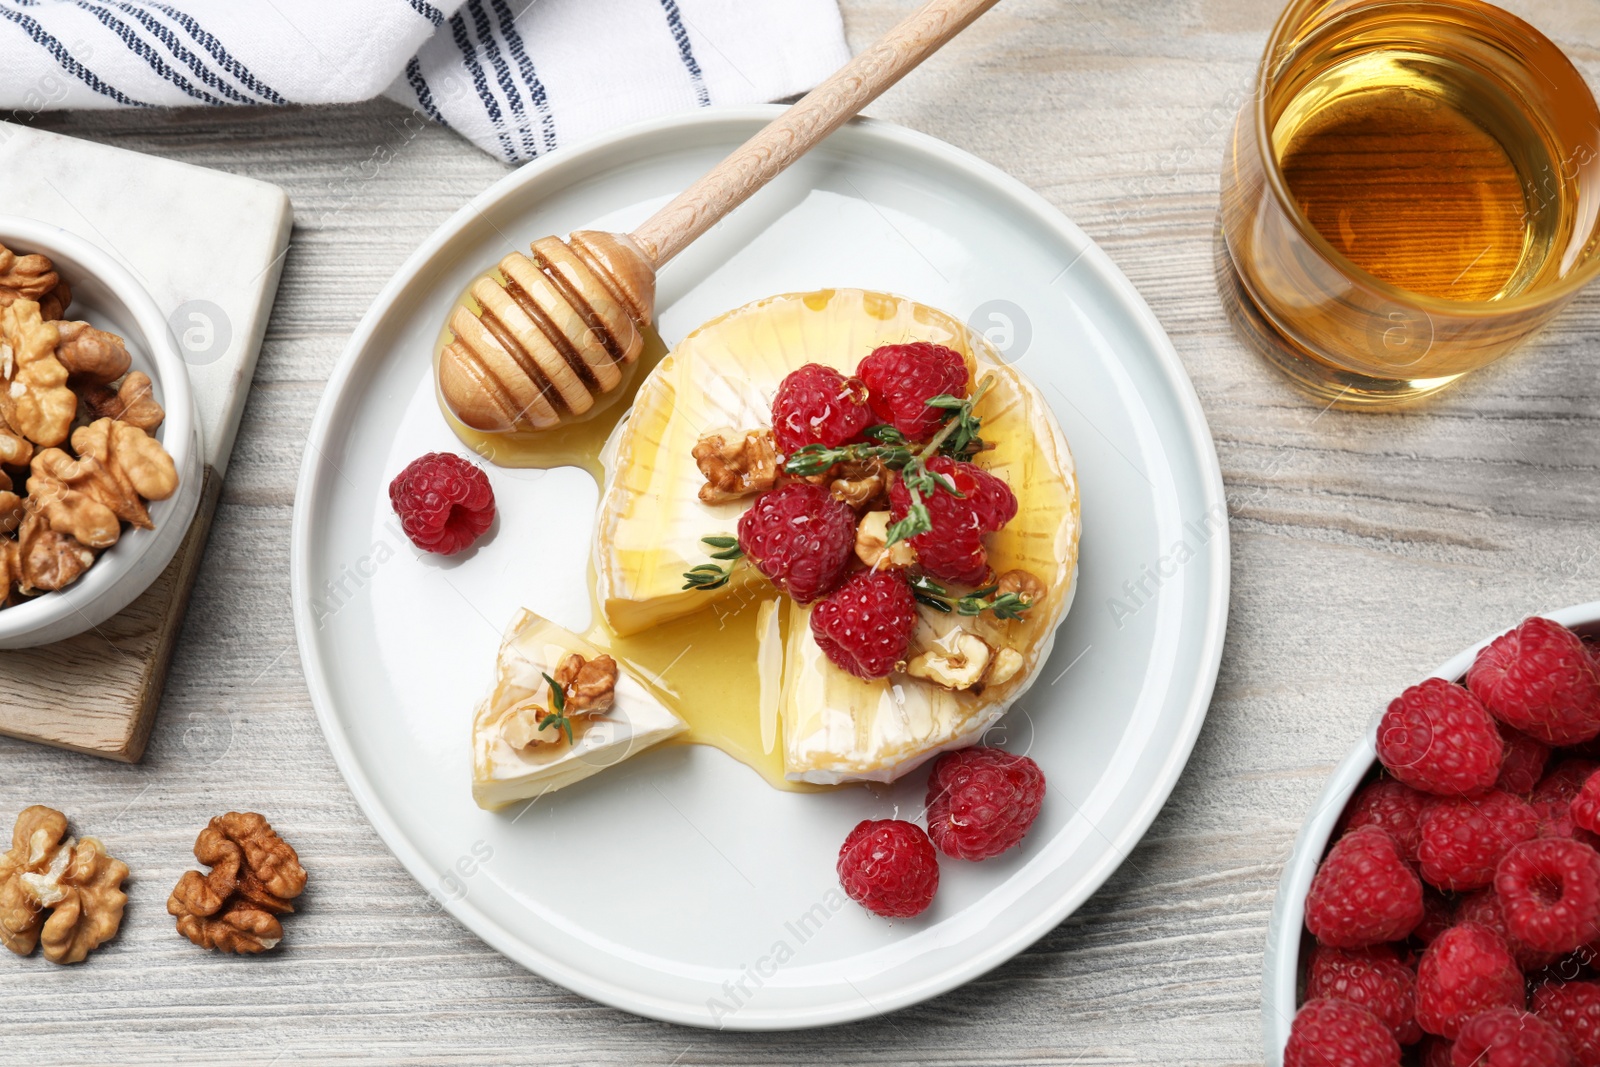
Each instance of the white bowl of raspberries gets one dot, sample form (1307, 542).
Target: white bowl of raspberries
(1441, 906)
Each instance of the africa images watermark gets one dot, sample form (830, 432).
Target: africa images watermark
(738, 992)
(1141, 590)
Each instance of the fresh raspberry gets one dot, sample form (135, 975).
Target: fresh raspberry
(1506, 1037)
(1363, 893)
(1436, 737)
(981, 801)
(1552, 798)
(990, 498)
(888, 866)
(1524, 762)
(1328, 1032)
(444, 502)
(1462, 841)
(865, 626)
(901, 379)
(818, 405)
(1574, 1009)
(800, 537)
(1585, 807)
(953, 550)
(1483, 908)
(1391, 806)
(1373, 978)
(1466, 970)
(1549, 892)
(1540, 679)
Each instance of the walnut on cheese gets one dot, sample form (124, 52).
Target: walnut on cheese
(588, 687)
(872, 543)
(254, 875)
(735, 464)
(962, 660)
(74, 880)
(859, 484)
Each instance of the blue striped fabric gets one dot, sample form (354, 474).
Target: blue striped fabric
(519, 78)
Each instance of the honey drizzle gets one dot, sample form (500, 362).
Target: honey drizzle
(711, 656)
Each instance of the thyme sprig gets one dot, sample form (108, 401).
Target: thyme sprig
(919, 480)
(989, 598)
(710, 576)
(557, 717)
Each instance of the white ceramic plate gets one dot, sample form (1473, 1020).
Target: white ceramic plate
(678, 885)
(1280, 980)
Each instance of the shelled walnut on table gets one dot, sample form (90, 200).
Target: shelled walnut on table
(78, 461)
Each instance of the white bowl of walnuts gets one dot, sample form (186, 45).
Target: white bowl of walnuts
(100, 468)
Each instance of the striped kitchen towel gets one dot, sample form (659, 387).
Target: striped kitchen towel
(516, 77)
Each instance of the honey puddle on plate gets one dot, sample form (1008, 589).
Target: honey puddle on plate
(712, 657)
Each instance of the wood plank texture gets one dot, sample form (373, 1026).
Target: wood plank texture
(1367, 548)
(98, 693)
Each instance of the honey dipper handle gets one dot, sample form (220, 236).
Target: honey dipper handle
(793, 133)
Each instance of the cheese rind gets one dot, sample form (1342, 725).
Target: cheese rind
(502, 773)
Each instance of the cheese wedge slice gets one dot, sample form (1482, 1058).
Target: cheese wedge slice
(503, 773)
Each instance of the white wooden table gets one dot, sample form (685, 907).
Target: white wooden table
(1367, 549)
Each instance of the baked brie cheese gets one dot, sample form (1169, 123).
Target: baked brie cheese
(961, 672)
(513, 758)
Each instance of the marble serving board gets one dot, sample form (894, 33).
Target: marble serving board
(209, 248)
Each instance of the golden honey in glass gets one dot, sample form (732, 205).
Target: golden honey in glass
(1411, 192)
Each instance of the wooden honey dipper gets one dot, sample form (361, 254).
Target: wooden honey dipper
(545, 334)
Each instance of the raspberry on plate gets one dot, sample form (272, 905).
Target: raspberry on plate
(1467, 970)
(1483, 908)
(1461, 842)
(888, 866)
(1364, 892)
(1574, 1009)
(953, 550)
(800, 537)
(1327, 1032)
(1523, 764)
(1373, 978)
(1549, 892)
(818, 405)
(901, 379)
(1506, 1037)
(444, 502)
(865, 626)
(1436, 737)
(1540, 679)
(981, 801)
(1392, 806)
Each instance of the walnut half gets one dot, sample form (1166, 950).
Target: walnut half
(254, 874)
(735, 464)
(589, 685)
(75, 881)
(34, 398)
(132, 402)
